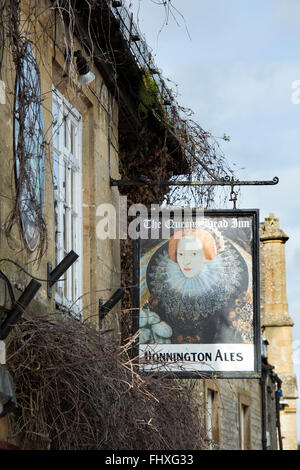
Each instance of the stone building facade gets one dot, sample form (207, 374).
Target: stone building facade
(80, 154)
(96, 120)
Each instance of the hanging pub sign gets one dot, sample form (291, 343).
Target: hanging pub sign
(197, 293)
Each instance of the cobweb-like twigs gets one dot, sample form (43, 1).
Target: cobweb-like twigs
(76, 389)
(29, 145)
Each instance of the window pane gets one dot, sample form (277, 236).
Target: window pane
(209, 413)
(72, 232)
(72, 137)
(29, 139)
(63, 182)
(68, 186)
(74, 281)
(73, 188)
(75, 230)
(71, 279)
(55, 174)
(65, 229)
(56, 233)
(75, 285)
(65, 284)
(65, 131)
(66, 175)
(55, 124)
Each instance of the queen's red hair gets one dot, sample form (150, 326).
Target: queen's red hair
(207, 240)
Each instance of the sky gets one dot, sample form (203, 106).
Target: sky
(236, 63)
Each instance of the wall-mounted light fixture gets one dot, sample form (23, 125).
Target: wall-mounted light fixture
(84, 73)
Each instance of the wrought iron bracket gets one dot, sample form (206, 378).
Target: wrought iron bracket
(227, 181)
(105, 308)
(54, 275)
(19, 306)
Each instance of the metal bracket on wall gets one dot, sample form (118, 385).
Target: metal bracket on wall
(20, 305)
(104, 309)
(54, 275)
(18, 308)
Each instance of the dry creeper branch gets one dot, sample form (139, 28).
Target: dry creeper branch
(77, 389)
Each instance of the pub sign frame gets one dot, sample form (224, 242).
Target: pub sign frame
(196, 295)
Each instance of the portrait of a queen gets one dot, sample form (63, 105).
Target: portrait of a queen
(196, 287)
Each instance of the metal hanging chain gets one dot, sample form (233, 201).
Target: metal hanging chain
(233, 196)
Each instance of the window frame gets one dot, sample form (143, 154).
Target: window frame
(68, 197)
(212, 413)
(33, 141)
(244, 416)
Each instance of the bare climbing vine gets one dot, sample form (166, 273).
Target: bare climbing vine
(78, 390)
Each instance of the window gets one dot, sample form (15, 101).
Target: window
(67, 199)
(212, 416)
(29, 147)
(244, 422)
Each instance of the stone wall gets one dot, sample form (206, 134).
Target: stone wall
(231, 395)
